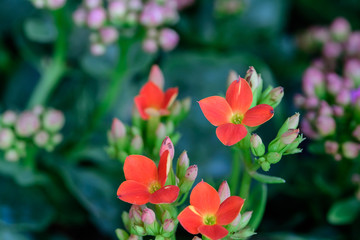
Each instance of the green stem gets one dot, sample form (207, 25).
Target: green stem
(30, 161)
(259, 213)
(55, 70)
(235, 173)
(184, 197)
(246, 178)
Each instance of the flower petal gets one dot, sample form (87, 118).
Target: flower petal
(213, 232)
(216, 110)
(133, 192)
(167, 194)
(140, 169)
(190, 220)
(258, 115)
(170, 96)
(239, 96)
(140, 106)
(205, 198)
(164, 167)
(229, 210)
(231, 133)
(153, 95)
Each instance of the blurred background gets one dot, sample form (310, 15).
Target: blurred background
(72, 193)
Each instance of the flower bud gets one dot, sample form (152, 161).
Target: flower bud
(7, 138)
(325, 125)
(118, 130)
(138, 230)
(135, 214)
(272, 96)
(356, 133)
(168, 225)
(353, 44)
(343, 98)
(136, 144)
(313, 82)
(325, 109)
(8, 118)
(299, 100)
(224, 191)
(256, 145)
(55, 4)
(332, 50)
(41, 138)
(256, 83)
(57, 138)
(121, 234)
(133, 237)
(311, 102)
(117, 9)
(152, 15)
(233, 75)
(156, 76)
(97, 49)
(149, 45)
(293, 147)
(338, 111)
(92, 3)
(352, 71)
(161, 131)
(308, 130)
(96, 18)
(79, 16)
(265, 166)
(294, 121)
(167, 145)
(125, 219)
(191, 173)
(38, 3)
(350, 150)
(148, 216)
(12, 155)
(135, 5)
(245, 219)
(168, 39)
(340, 29)
(182, 165)
(108, 35)
(273, 157)
(53, 120)
(289, 136)
(27, 124)
(334, 83)
(331, 147)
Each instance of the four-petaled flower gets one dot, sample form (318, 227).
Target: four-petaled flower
(232, 114)
(152, 100)
(145, 182)
(206, 215)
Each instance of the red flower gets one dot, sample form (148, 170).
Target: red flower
(232, 114)
(145, 182)
(152, 101)
(206, 215)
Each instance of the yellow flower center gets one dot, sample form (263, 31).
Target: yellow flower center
(237, 118)
(209, 220)
(154, 186)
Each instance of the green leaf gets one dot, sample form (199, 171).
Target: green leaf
(266, 179)
(40, 30)
(344, 212)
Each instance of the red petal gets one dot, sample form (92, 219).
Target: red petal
(205, 198)
(213, 232)
(140, 105)
(156, 76)
(153, 95)
(133, 192)
(190, 220)
(140, 169)
(164, 167)
(216, 110)
(229, 210)
(167, 194)
(239, 96)
(258, 115)
(170, 96)
(231, 133)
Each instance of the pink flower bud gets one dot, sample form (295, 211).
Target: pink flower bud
(340, 29)
(152, 15)
(168, 39)
(150, 45)
(325, 125)
(350, 150)
(41, 138)
(356, 133)
(53, 120)
(90, 4)
(294, 121)
(289, 136)
(56, 139)
(156, 76)
(331, 147)
(191, 173)
(332, 50)
(79, 16)
(353, 44)
(236, 221)
(118, 129)
(334, 83)
(108, 35)
(8, 118)
(338, 111)
(320, 34)
(325, 109)
(312, 79)
(96, 17)
(352, 70)
(137, 142)
(344, 97)
(135, 213)
(38, 3)
(167, 145)
(7, 138)
(117, 9)
(12, 155)
(168, 225)
(55, 4)
(311, 102)
(148, 216)
(133, 237)
(308, 130)
(97, 49)
(299, 100)
(135, 5)
(224, 191)
(27, 124)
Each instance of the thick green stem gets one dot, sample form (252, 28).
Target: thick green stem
(56, 68)
(235, 173)
(246, 178)
(259, 212)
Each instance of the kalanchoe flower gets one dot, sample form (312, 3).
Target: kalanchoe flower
(167, 145)
(27, 124)
(207, 215)
(232, 114)
(152, 101)
(118, 129)
(145, 182)
(224, 191)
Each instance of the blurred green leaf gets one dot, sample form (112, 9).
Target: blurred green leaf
(7, 234)
(344, 212)
(266, 179)
(40, 30)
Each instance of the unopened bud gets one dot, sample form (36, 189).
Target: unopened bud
(256, 145)
(118, 129)
(333, 83)
(138, 230)
(168, 39)
(121, 234)
(152, 15)
(161, 131)
(343, 98)
(137, 143)
(265, 166)
(97, 49)
(325, 109)
(356, 133)
(276, 96)
(353, 44)
(191, 173)
(53, 120)
(340, 29)
(331, 147)
(57, 138)
(96, 17)
(135, 214)
(108, 35)
(55, 4)
(92, 3)
(148, 216)
(12, 155)
(273, 157)
(338, 111)
(294, 121)
(289, 136)
(150, 45)
(117, 10)
(232, 77)
(79, 16)
(326, 125)
(245, 219)
(224, 191)
(168, 225)
(350, 150)
(8, 118)
(352, 70)
(133, 237)
(125, 219)
(27, 124)
(182, 165)
(299, 100)
(256, 83)
(7, 138)
(41, 138)
(167, 145)
(332, 50)
(156, 76)
(313, 82)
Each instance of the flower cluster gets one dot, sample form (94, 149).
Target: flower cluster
(122, 18)
(49, 4)
(155, 116)
(39, 127)
(331, 84)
